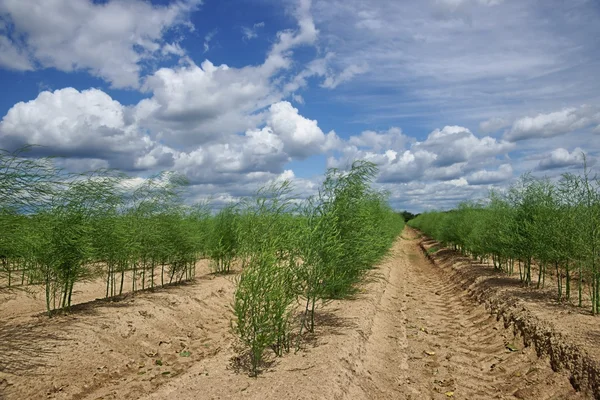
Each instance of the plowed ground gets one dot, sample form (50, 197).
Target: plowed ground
(410, 334)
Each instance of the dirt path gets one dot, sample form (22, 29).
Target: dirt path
(410, 334)
(428, 340)
(456, 348)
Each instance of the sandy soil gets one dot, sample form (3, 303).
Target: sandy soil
(411, 333)
(568, 335)
(23, 300)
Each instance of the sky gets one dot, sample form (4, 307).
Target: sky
(450, 98)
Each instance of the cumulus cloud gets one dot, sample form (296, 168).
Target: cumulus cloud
(406, 167)
(453, 172)
(216, 124)
(111, 40)
(252, 157)
(91, 127)
(485, 177)
(192, 103)
(301, 136)
(454, 144)
(87, 124)
(227, 129)
(554, 123)
(393, 138)
(447, 154)
(227, 192)
(418, 196)
(561, 158)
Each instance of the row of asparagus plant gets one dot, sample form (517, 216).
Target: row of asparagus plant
(57, 229)
(553, 227)
(296, 256)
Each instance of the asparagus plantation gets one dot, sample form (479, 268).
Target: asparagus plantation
(538, 228)
(312, 253)
(282, 281)
(58, 229)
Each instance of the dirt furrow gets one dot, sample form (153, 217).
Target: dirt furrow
(458, 350)
(412, 332)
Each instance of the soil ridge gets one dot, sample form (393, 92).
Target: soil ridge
(535, 330)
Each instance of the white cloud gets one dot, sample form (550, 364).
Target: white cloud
(450, 173)
(484, 59)
(192, 121)
(298, 98)
(208, 38)
(251, 33)
(306, 34)
(419, 195)
(485, 177)
(332, 81)
(230, 129)
(192, 104)
(446, 155)
(561, 158)
(553, 124)
(172, 48)
(111, 40)
(317, 67)
(87, 124)
(393, 138)
(199, 92)
(227, 129)
(409, 166)
(301, 136)
(91, 127)
(455, 144)
(394, 166)
(12, 57)
(256, 155)
(493, 125)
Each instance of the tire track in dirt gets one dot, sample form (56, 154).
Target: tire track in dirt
(380, 363)
(427, 339)
(411, 333)
(456, 349)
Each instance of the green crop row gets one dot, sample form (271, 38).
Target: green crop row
(539, 226)
(306, 254)
(57, 229)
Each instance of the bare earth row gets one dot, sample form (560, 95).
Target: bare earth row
(415, 331)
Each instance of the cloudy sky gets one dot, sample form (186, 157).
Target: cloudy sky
(449, 97)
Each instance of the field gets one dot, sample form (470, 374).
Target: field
(113, 289)
(411, 333)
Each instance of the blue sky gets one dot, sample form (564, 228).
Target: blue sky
(450, 98)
